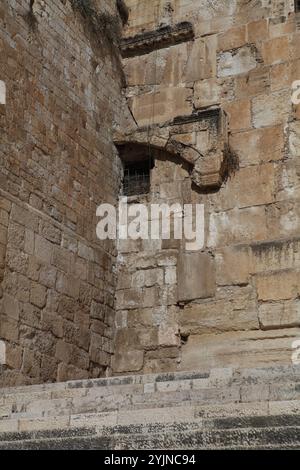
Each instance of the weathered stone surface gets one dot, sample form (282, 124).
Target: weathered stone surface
(10, 306)
(232, 39)
(233, 266)
(196, 276)
(280, 285)
(49, 179)
(38, 295)
(275, 50)
(207, 93)
(237, 226)
(219, 316)
(279, 315)
(248, 349)
(212, 409)
(239, 61)
(258, 146)
(269, 110)
(162, 106)
(257, 30)
(63, 292)
(201, 60)
(128, 361)
(239, 114)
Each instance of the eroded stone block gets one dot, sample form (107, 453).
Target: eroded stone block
(196, 276)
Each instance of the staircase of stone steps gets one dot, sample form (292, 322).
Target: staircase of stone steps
(216, 409)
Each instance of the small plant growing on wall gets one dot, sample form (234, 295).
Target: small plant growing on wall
(103, 30)
(123, 11)
(100, 25)
(230, 163)
(30, 17)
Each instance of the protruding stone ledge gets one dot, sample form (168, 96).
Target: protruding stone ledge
(159, 39)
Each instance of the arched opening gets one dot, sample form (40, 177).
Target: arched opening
(138, 161)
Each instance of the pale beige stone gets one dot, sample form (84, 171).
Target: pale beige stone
(207, 93)
(279, 315)
(161, 106)
(233, 266)
(280, 285)
(269, 110)
(248, 349)
(128, 361)
(196, 276)
(239, 61)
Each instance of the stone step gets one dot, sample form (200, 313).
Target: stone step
(233, 416)
(197, 408)
(96, 401)
(213, 377)
(136, 392)
(159, 438)
(40, 420)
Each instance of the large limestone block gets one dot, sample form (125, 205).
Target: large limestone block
(269, 110)
(239, 349)
(274, 256)
(202, 60)
(250, 186)
(207, 92)
(238, 61)
(257, 185)
(147, 69)
(176, 60)
(257, 30)
(275, 50)
(259, 145)
(281, 76)
(279, 315)
(232, 39)
(196, 276)
(233, 266)
(294, 139)
(239, 113)
(256, 82)
(128, 361)
(219, 316)
(161, 106)
(281, 285)
(237, 226)
(283, 219)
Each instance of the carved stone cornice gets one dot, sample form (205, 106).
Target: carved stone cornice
(153, 40)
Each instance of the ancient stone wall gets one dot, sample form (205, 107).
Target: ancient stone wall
(236, 302)
(207, 98)
(57, 163)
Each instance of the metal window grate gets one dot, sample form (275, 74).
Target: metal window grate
(297, 6)
(136, 178)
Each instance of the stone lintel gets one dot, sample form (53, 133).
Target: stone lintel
(159, 39)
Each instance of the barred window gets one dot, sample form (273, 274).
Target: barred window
(138, 161)
(136, 178)
(297, 6)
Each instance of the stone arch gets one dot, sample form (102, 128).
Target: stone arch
(199, 140)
